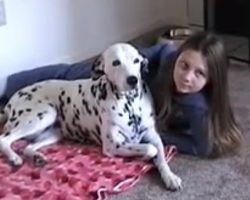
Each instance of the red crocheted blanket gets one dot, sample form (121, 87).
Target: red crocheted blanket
(73, 172)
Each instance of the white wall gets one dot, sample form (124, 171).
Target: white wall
(174, 11)
(40, 32)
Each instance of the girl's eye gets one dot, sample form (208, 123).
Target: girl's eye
(200, 73)
(184, 65)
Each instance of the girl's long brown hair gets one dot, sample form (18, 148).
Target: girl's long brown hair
(224, 130)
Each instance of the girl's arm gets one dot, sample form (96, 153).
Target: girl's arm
(59, 71)
(196, 141)
(157, 52)
(158, 56)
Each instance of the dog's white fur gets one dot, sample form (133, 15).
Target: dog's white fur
(108, 110)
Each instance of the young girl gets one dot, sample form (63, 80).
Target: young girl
(189, 88)
(190, 91)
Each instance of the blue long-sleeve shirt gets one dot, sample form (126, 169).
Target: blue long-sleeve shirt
(188, 120)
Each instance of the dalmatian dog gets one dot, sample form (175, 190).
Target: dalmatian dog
(112, 109)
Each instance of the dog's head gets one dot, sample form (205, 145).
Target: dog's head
(121, 63)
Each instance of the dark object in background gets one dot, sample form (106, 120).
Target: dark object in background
(175, 36)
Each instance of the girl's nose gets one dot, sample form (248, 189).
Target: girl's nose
(188, 77)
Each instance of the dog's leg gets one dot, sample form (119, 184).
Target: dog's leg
(49, 136)
(114, 143)
(27, 127)
(171, 180)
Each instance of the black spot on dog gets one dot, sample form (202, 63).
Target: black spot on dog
(98, 130)
(29, 97)
(77, 111)
(79, 136)
(13, 113)
(34, 89)
(86, 132)
(134, 122)
(86, 105)
(120, 114)
(69, 131)
(139, 108)
(20, 112)
(25, 94)
(61, 101)
(95, 111)
(113, 107)
(76, 116)
(61, 111)
(93, 90)
(74, 121)
(100, 120)
(133, 137)
(102, 91)
(12, 119)
(9, 106)
(63, 92)
(136, 94)
(136, 60)
(28, 110)
(6, 134)
(40, 115)
(51, 105)
(16, 124)
(126, 108)
(39, 101)
(116, 63)
(130, 99)
(61, 106)
(113, 87)
(117, 146)
(129, 102)
(68, 100)
(130, 148)
(79, 88)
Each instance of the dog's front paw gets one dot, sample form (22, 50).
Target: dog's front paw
(172, 181)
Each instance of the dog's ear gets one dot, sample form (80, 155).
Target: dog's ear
(144, 66)
(97, 68)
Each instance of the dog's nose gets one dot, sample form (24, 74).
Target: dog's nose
(132, 80)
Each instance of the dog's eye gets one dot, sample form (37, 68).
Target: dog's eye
(136, 60)
(116, 63)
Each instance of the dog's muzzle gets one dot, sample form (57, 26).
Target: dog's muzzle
(132, 81)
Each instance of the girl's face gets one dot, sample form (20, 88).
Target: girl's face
(190, 72)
